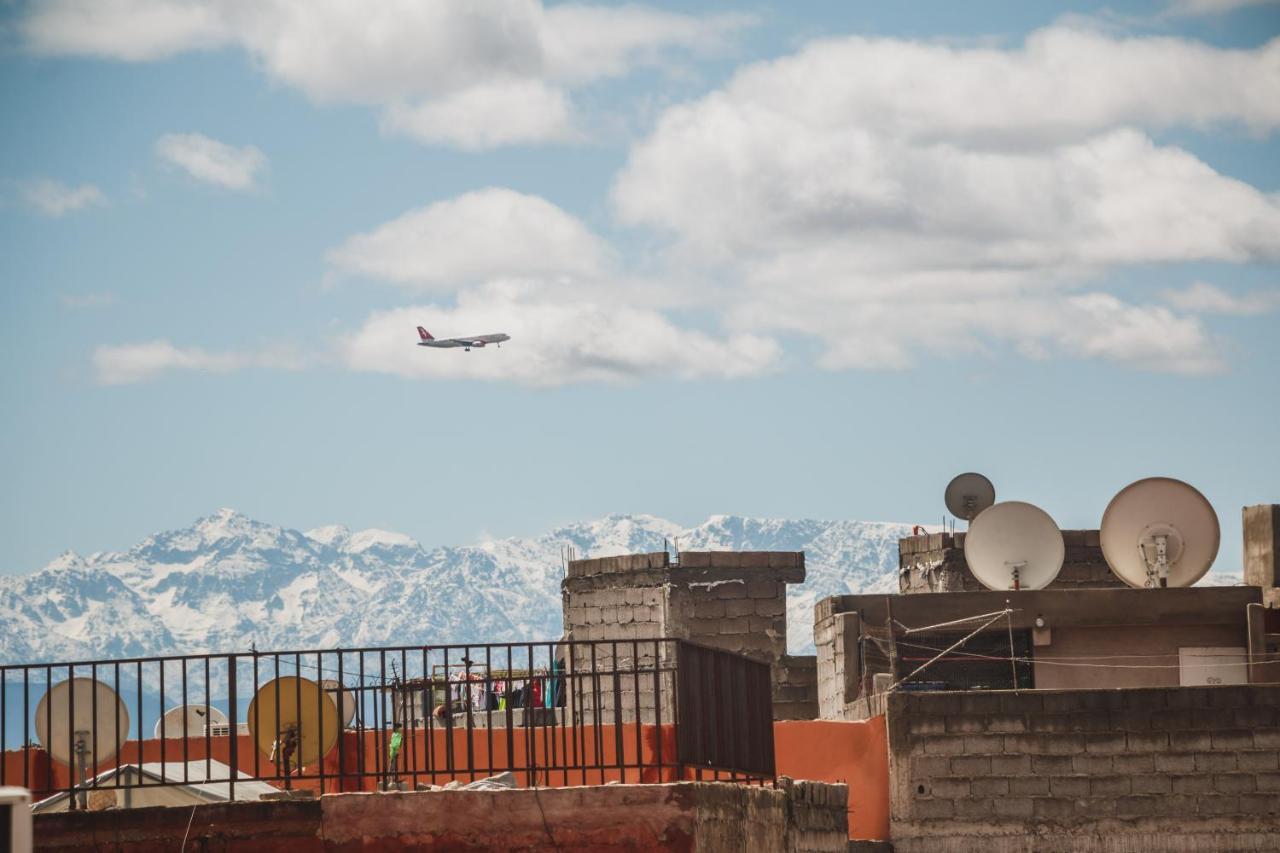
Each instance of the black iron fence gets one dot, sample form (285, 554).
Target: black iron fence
(550, 713)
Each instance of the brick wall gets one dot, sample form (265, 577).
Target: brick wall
(807, 817)
(1192, 768)
(935, 563)
(732, 600)
(795, 695)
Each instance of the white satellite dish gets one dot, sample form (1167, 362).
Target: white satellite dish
(1014, 545)
(1160, 532)
(189, 721)
(969, 494)
(342, 698)
(81, 722)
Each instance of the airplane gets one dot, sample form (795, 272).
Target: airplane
(466, 343)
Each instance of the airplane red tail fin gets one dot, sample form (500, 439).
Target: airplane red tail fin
(424, 334)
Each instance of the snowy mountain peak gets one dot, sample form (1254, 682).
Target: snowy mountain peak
(66, 560)
(229, 580)
(333, 535)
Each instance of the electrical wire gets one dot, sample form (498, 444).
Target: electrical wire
(1063, 662)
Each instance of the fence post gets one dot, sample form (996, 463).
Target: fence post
(233, 717)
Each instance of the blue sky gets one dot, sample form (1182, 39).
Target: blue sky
(770, 260)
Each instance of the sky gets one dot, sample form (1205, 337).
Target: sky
(772, 259)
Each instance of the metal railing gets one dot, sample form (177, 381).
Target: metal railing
(553, 713)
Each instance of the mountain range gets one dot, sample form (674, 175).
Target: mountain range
(228, 581)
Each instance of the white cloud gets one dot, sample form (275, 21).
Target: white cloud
(486, 234)
(139, 362)
(1213, 7)
(403, 55)
(211, 161)
(893, 197)
(1204, 298)
(55, 199)
(488, 116)
(554, 341)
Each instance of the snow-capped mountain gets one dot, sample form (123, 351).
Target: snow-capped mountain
(228, 581)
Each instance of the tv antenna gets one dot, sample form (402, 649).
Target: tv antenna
(1159, 532)
(294, 722)
(969, 494)
(1014, 545)
(80, 722)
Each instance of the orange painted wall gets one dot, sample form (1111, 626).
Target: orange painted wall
(855, 753)
(838, 751)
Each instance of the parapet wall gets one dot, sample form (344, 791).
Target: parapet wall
(799, 817)
(935, 563)
(1186, 769)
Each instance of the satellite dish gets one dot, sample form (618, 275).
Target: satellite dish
(1159, 532)
(294, 722)
(345, 702)
(1014, 545)
(80, 722)
(969, 494)
(189, 721)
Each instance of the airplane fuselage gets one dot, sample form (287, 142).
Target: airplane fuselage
(478, 341)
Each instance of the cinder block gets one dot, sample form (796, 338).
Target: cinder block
(1091, 764)
(989, 786)
(1217, 804)
(970, 765)
(1105, 743)
(1091, 721)
(1235, 783)
(1175, 762)
(1233, 739)
(1053, 764)
(1266, 739)
(1013, 807)
(1264, 804)
(1011, 765)
(1151, 783)
(929, 766)
(1050, 808)
(944, 745)
(1214, 762)
(1171, 719)
(932, 809)
(1044, 744)
(695, 559)
(972, 807)
(1197, 783)
(1010, 723)
(1257, 717)
(1028, 786)
(927, 725)
(983, 744)
(1147, 741)
(1069, 786)
(739, 607)
(1131, 764)
(948, 788)
(1109, 786)
(1264, 781)
(772, 607)
(1258, 760)
(763, 589)
(1050, 723)
(731, 590)
(726, 560)
(1134, 806)
(1190, 741)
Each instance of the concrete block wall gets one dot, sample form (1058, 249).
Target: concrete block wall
(796, 694)
(1189, 768)
(732, 600)
(817, 816)
(808, 817)
(935, 563)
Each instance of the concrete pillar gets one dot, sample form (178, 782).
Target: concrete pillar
(1262, 550)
